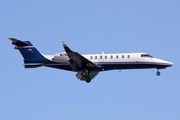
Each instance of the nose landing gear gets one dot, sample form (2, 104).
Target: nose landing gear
(158, 73)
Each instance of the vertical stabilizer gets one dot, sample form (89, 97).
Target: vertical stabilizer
(27, 50)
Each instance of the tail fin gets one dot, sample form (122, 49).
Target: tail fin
(27, 50)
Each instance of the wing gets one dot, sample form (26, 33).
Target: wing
(87, 70)
(78, 59)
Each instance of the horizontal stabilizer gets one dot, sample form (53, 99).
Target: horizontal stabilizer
(18, 42)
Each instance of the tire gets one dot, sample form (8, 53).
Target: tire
(88, 80)
(158, 73)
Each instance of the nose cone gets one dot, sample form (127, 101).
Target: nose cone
(163, 63)
(169, 64)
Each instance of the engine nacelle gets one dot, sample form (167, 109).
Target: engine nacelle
(60, 57)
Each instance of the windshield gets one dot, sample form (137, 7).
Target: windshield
(146, 55)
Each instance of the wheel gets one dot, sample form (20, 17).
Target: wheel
(158, 73)
(88, 80)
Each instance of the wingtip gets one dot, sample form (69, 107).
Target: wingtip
(63, 43)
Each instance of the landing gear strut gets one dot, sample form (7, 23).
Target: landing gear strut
(158, 73)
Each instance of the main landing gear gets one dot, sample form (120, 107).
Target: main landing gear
(158, 73)
(87, 76)
(88, 80)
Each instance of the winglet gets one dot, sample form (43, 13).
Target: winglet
(67, 49)
(64, 44)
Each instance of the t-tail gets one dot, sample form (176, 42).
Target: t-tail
(32, 57)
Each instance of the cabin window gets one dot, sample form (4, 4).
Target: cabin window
(117, 57)
(95, 57)
(91, 57)
(60, 54)
(128, 56)
(100, 57)
(122, 56)
(111, 57)
(105, 57)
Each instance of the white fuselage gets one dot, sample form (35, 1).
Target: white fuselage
(117, 61)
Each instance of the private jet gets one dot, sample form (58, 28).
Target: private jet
(87, 66)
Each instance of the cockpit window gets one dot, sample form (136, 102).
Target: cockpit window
(146, 55)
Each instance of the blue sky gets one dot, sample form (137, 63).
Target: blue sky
(112, 26)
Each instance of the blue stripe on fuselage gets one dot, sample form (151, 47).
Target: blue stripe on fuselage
(108, 66)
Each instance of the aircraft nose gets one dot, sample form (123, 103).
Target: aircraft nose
(163, 62)
(168, 64)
